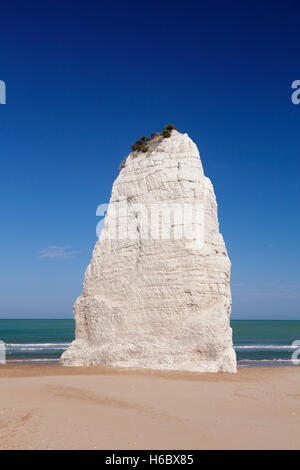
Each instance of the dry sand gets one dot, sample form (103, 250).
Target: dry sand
(55, 407)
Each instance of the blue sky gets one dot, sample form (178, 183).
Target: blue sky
(86, 79)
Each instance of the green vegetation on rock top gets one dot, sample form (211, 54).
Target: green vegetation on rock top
(141, 144)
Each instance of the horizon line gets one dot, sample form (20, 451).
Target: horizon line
(232, 319)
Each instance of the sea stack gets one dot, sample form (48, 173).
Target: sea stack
(156, 293)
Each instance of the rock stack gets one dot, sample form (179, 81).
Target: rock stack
(156, 293)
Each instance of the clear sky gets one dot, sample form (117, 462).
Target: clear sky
(87, 78)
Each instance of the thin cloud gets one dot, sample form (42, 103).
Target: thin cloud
(64, 252)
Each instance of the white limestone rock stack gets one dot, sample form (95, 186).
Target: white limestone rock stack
(152, 299)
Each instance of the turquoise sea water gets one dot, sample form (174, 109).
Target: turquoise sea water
(266, 343)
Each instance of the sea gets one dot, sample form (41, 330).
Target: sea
(257, 343)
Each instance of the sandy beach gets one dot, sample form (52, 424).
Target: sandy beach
(55, 407)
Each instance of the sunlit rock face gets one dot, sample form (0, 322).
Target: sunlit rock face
(156, 293)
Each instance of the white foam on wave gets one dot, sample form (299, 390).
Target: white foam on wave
(266, 363)
(37, 344)
(269, 347)
(22, 361)
(241, 362)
